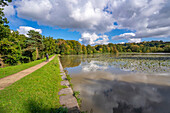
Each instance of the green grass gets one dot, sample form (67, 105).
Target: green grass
(35, 93)
(76, 94)
(6, 71)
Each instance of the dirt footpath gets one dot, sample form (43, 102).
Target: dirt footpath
(7, 81)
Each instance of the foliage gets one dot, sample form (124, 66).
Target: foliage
(62, 110)
(4, 2)
(76, 94)
(89, 49)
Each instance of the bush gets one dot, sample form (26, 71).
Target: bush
(62, 110)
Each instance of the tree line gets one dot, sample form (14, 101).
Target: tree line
(17, 48)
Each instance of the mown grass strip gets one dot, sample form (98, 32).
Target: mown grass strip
(6, 71)
(35, 93)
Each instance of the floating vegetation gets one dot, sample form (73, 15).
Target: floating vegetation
(142, 65)
(138, 63)
(147, 63)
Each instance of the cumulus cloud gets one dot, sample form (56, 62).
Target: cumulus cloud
(124, 36)
(135, 40)
(9, 10)
(93, 39)
(146, 18)
(127, 36)
(24, 30)
(94, 66)
(82, 15)
(122, 43)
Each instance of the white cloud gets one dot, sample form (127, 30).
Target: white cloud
(134, 40)
(122, 43)
(148, 18)
(82, 15)
(92, 39)
(94, 66)
(127, 36)
(123, 36)
(34, 10)
(24, 30)
(9, 10)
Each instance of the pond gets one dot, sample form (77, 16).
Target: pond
(124, 83)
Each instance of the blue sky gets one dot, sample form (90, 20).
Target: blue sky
(55, 32)
(90, 22)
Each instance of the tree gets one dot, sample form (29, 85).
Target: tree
(4, 2)
(135, 48)
(11, 48)
(104, 48)
(94, 50)
(119, 48)
(49, 45)
(89, 49)
(114, 50)
(84, 49)
(167, 48)
(153, 49)
(129, 50)
(99, 48)
(3, 19)
(4, 32)
(34, 45)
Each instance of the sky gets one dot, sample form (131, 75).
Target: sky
(92, 21)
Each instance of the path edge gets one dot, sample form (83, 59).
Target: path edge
(66, 94)
(21, 74)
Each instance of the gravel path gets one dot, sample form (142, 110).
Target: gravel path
(7, 81)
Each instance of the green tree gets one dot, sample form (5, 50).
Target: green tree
(34, 45)
(11, 48)
(104, 49)
(84, 49)
(89, 49)
(135, 48)
(167, 48)
(114, 50)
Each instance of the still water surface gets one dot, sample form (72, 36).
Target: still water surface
(124, 83)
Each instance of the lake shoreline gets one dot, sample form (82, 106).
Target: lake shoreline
(128, 82)
(66, 95)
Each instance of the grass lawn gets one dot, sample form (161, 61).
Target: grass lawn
(35, 93)
(6, 71)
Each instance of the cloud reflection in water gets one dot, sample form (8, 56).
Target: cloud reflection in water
(94, 66)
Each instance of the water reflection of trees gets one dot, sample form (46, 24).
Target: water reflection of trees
(75, 60)
(70, 61)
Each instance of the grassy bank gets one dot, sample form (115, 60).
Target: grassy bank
(37, 92)
(6, 71)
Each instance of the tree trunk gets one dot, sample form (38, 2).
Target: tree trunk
(1, 62)
(37, 54)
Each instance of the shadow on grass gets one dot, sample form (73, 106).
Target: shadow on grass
(37, 107)
(34, 107)
(2, 110)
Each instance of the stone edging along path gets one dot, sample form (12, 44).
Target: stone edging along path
(67, 99)
(7, 81)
